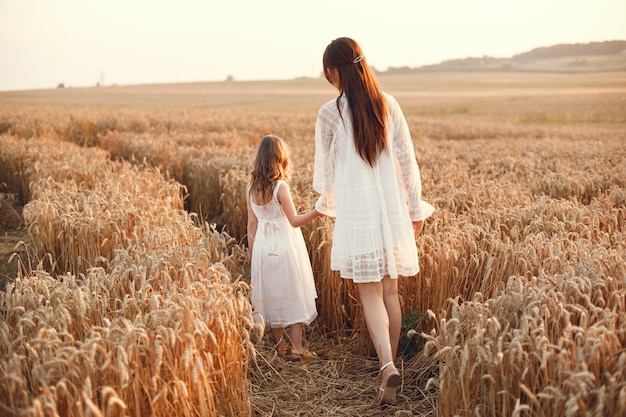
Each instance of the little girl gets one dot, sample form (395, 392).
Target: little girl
(283, 289)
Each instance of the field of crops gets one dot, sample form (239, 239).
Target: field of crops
(128, 294)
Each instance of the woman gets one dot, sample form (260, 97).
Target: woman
(368, 178)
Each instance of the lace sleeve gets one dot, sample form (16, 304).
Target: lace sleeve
(408, 173)
(324, 172)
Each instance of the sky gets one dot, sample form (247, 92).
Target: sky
(81, 43)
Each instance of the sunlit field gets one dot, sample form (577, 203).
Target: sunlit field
(125, 283)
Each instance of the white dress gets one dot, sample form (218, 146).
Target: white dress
(283, 289)
(374, 206)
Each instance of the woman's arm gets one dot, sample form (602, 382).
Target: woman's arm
(407, 165)
(324, 170)
(286, 201)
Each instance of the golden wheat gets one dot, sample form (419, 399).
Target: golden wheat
(158, 275)
(521, 288)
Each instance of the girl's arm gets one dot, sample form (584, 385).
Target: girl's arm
(253, 222)
(286, 201)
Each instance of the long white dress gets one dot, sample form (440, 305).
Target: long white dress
(283, 288)
(374, 206)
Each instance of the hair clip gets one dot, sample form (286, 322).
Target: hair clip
(357, 59)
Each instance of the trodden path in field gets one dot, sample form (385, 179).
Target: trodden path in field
(338, 383)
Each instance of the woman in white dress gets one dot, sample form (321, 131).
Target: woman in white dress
(283, 289)
(368, 178)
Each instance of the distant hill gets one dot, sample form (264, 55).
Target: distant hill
(588, 57)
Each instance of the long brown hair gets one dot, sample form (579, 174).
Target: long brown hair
(270, 165)
(366, 101)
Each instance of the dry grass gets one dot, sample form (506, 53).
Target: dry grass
(342, 382)
(518, 308)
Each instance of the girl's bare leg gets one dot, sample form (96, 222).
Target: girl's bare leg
(295, 333)
(277, 334)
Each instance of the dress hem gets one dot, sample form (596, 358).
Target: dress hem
(289, 323)
(365, 281)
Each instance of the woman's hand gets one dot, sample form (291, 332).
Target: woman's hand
(417, 227)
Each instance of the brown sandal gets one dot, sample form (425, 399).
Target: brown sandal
(283, 351)
(305, 355)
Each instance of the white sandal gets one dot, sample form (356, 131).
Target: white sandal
(387, 390)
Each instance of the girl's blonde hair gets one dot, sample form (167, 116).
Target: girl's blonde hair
(270, 165)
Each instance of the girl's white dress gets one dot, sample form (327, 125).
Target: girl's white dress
(283, 289)
(374, 206)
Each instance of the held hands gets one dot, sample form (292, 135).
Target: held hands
(320, 215)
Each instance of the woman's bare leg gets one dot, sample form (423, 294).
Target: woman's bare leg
(376, 319)
(394, 312)
(381, 307)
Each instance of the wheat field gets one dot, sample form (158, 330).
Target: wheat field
(129, 292)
